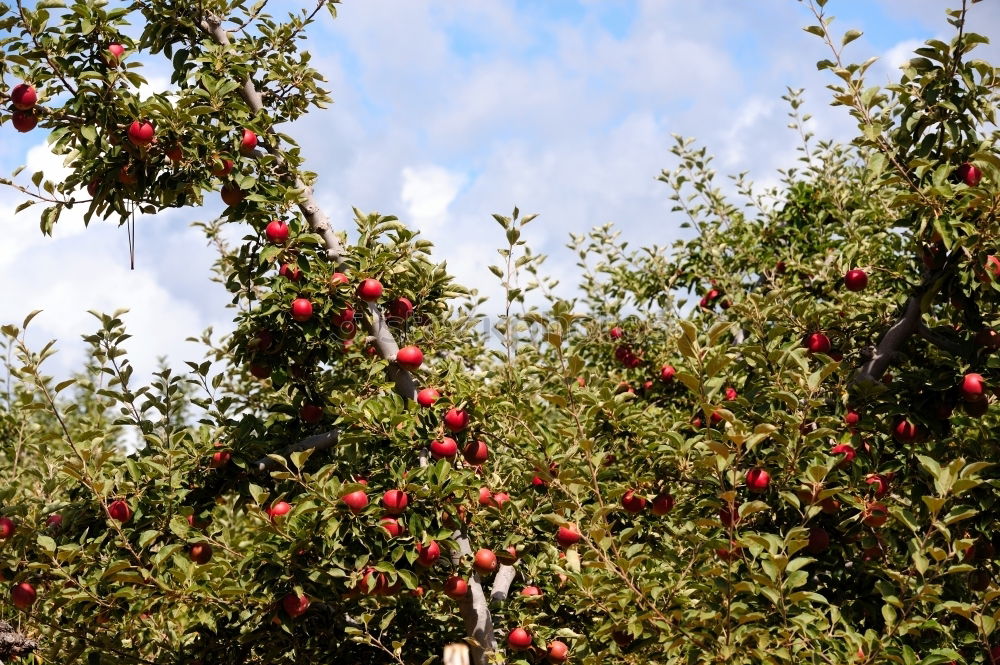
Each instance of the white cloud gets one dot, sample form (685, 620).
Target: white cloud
(426, 193)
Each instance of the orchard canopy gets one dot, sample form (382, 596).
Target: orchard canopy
(773, 442)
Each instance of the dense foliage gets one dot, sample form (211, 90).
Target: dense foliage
(799, 467)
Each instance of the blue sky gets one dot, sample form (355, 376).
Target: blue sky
(449, 111)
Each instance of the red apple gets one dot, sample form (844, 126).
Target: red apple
(519, 639)
(54, 521)
(875, 514)
(445, 448)
(731, 394)
(427, 397)
(223, 167)
(409, 358)
(119, 510)
(476, 452)
(456, 420)
(113, 55)
(401, 309)
(819, 540)
(880, 481)
(290, 271)
(855, 280)
(310, 414)
(632, 502)
(295, 605)
(817, 343)
(905, 432)
(7, 528)
(501, 498)
(302, 309)
(973, 387)
(248, 142)
(23, 595)
(558, 652)
(232, 195)
(200, 553)
(23, 96)
(337, 279)
(852, 418)
(276, 232)
(428, 554)
(970, 174)
(355, 501)
(370, 290)
(531, 591)
(758, 480)
(126, 175)
(616, 333)
(567, 535)
(175, 154)
(667, 373)
(485, 561)
(456, 587)
(729, 514)
(24, 121)
(220, 459)
(262, 341)
(845, 449)
(662, 504)
(260, 371)
(279, 509)
(392, 525)
(141, 133)
(485, 497)
(395, 501)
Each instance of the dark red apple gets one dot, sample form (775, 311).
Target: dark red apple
(758, 480)
(23, 96)
(558, 652)
(855, 280)
(567, 535)
(395, 501)
(141, 133)
(662, 504)
(667, 373)
(290, 271)
(845, 449)
(232, 195)
(24, 121)
(295, 605)
(302, 309)
(355, 501)
(119, 510)
(875, 514)
(476, 452)
(817, 343)
(409, 358)
(222, 167)
(392, 525)
(428, 554)
(260, 370)
(632, 502)
(519, 639)
(905, 432)
(427, 397)
(310, 414)
(973, 387)
(401, 309)
(456, 587)
(220, 459)
(370, 290)
(23, 595)
(200, 553)
(338, 279)
(852, 418)
(445, 448)
(276, 232)
(819, 540)
(54, 521)
(880, 481)
(7, 528)
(970, 174)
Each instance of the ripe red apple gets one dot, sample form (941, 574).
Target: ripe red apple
(632, 502)
(232, 195)
(175, 154)
(875, 514)
(558, 652)
(119, 510)
(427, 397)
(23, 595)
(356, 501)
(758, 480)
(845, 449)
(616, 333)
(220, 459)
(279, 509)
(401, 309)
(456, 420)
(290, 271)
(409, 358)
(880, 481)
(260, 371)
(7, 528)
(567, 535)
(731, 394)
(905, 432)
(113, 55)
(662, 504)
(852, 418)
(501, 498)
(519, 639)
(24, 121)
(530, 591)
(141, 133)
(970, 174)
(392, 525)
(23, 96)
(485, 497)
(276, 232)
(223, 167)
(370, 289)
(819, 540)
(976, 409)
(395, 501)
(54, 521)
(126, 175)
(993, 266)
(446, 448)
(973, 387)
(855, 280)
(729, 514)
(485, 561)
(302, 309)
(428, 554)
(817, 343)
(729, 553)
(476, 452)
(295, 605)
(248, 142)
(456, 587)
(200, 553)
(310, 414)
(667, 373)
(338, 279)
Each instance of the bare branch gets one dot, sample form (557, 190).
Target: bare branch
(501, 583)
(317, 442)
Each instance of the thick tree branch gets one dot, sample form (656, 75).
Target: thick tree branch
(939, 340)
(501, 583)
(13, 644)
(475, 610)
(890, 343)
(317, 442)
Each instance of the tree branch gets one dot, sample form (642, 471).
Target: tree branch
(939, 340)
(475, 610)
(317, 442)
(890, 343)
(501, 583)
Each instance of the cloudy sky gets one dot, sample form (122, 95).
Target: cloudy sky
(449, 111)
